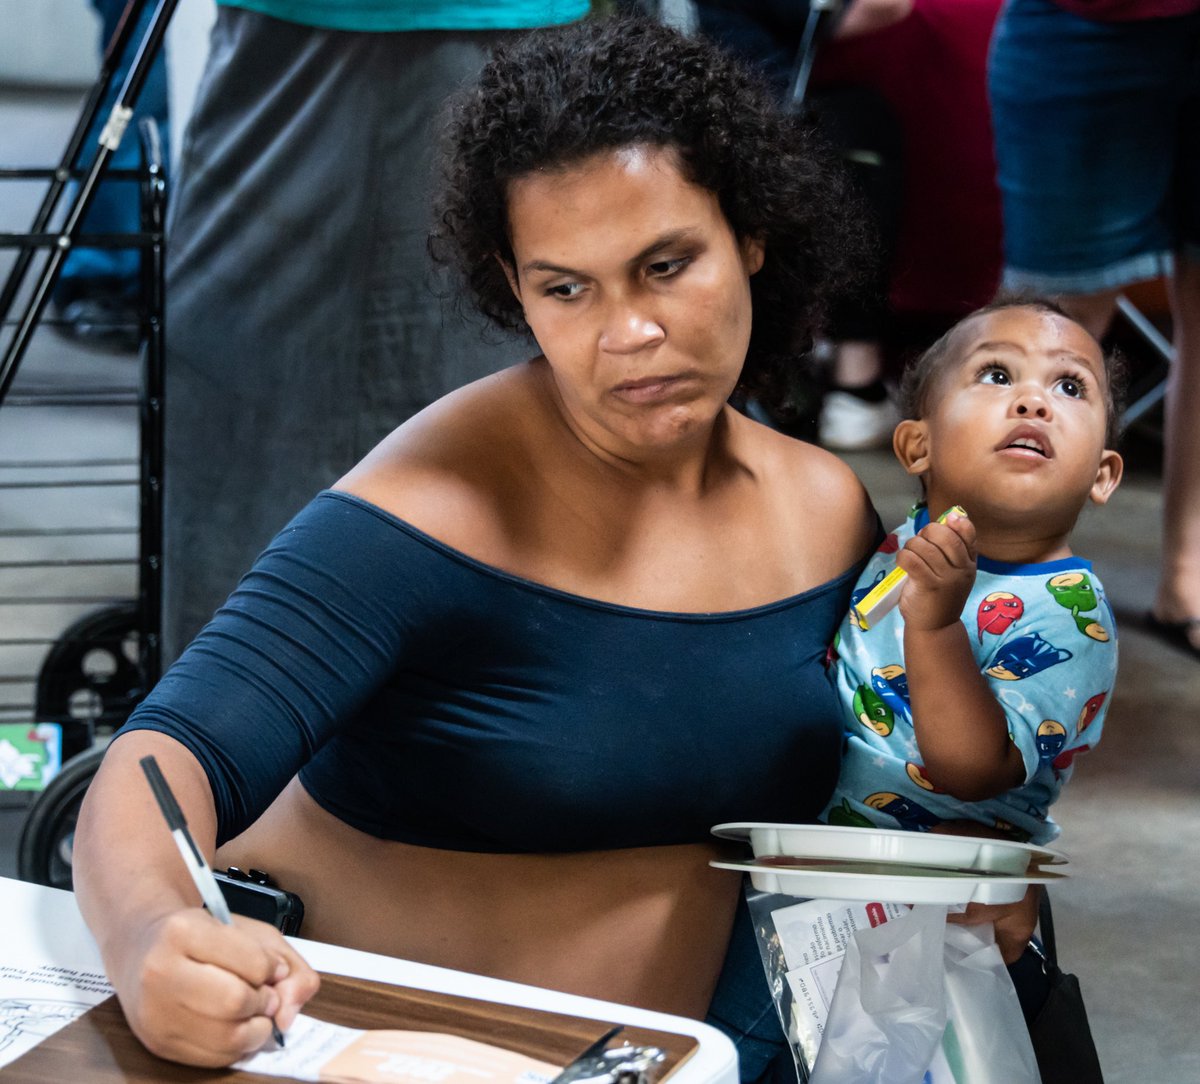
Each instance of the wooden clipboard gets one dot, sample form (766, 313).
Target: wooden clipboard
(100, 1048)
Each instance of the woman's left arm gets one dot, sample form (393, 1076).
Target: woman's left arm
(1014, 923)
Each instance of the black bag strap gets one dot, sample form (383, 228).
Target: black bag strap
(1046, 930)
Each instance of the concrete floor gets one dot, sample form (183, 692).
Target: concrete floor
(1131, 817)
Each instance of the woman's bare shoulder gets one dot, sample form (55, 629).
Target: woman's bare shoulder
(450, 468)
(819, 488)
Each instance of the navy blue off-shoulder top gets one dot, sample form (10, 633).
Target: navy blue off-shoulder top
(426, 697)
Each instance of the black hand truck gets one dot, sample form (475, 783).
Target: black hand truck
(92, 675)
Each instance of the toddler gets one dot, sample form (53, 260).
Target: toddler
(972, 698)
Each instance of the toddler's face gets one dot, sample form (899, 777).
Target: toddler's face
(1016, 426)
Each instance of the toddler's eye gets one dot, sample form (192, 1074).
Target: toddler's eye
(1071, 387)
(993, 374)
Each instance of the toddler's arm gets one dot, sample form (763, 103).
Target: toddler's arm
(961, 729)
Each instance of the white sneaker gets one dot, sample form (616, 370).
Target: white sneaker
(851, 424)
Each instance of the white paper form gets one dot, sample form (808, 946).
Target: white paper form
(319, 1051)
(37, 998)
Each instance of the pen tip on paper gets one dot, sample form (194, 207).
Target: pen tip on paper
(277, 1035)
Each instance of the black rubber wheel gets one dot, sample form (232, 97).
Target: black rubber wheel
(48, 833)
(91, 678)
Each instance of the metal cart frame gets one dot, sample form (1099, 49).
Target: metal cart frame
(115, 689)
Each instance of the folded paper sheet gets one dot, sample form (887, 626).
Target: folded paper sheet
(37, 998)
(320, 1051)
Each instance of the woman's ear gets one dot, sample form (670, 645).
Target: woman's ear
(910, 442)
(510, 273)
(753, 253)
(1108, 476)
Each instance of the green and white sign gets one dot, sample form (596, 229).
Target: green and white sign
(30, 755)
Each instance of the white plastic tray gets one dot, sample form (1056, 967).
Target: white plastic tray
(907, 884)
(889, 845)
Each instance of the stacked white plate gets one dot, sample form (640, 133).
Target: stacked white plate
(888, 865)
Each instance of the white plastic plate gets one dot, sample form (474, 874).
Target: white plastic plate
(889, 845)
(906, 884)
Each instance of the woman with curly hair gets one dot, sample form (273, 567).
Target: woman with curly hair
(557, 625)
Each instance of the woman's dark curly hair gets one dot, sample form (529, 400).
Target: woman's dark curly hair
(551, 98)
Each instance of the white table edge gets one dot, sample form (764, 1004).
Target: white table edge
(48, 926)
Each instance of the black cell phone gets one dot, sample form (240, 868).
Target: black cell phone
(254, 894)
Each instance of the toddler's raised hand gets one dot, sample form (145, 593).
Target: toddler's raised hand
(940, 563)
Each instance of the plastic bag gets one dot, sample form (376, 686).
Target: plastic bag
(888, 1013)
(987, 1040)
(802, 944)
(954, 973)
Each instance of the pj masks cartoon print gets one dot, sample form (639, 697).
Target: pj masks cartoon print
(1025, 656)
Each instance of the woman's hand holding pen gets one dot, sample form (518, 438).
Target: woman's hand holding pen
(193, 989)
(201, 993)
(940, 563)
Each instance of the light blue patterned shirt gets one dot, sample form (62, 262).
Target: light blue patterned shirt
(1044, 637)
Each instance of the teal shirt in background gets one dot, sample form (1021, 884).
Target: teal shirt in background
(389, 15)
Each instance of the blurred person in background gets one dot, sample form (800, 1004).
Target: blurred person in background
(1096, 107)
(96, 297)
(899, 87)
(304, 319)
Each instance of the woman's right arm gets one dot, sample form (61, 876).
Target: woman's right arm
(192, 990)
(310, 633)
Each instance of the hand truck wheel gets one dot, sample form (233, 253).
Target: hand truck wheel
(48, 833)
(91, 677)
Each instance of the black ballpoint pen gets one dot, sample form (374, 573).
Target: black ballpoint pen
(202, 875)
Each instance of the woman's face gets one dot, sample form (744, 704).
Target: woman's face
(638, 293)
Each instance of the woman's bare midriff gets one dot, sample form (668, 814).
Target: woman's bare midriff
(643, 926)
